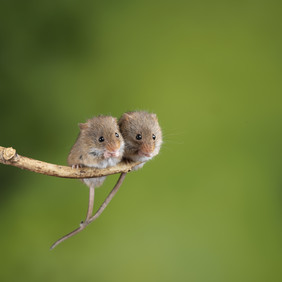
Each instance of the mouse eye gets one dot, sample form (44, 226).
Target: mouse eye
(116, 134)
(101, 139)
(154, 136)
(138, 136)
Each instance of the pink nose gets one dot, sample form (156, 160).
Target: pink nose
(146, 154)
(146, 150)
(114, 154)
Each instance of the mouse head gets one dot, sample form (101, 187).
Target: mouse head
(102, 136)
(142, 135)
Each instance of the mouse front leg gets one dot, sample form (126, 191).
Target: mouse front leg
(76, 166)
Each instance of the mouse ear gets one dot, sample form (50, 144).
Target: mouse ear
(83, 126)
(114, 119)
(154, 116)
(127, 116)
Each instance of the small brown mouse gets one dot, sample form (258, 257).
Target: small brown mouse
(99, 145)
(142, 135)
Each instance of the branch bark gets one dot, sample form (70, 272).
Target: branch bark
(9, 156)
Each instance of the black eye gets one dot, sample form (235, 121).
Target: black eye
(154, 136)
(101, 139)
(138, 136)
(116, 134)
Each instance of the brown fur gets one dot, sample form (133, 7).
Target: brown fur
(146, 124)
(88, 151)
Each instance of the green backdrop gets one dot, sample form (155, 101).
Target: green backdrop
(209, 207)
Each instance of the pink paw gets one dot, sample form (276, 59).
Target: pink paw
(76, 166)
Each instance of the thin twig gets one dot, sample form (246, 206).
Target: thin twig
(80, 228)
(89, 219)
(109, 198)
(9, 156)
(84, 223)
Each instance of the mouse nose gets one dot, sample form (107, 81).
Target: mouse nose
(145, 154)
(112, 151)
(146, 150)
(109, 154)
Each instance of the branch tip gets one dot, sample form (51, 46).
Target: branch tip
(9, 153)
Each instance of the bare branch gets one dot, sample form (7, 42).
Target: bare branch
(9, 156)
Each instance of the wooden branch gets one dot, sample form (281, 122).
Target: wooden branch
(9, 156)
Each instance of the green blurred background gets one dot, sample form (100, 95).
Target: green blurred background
(209, 207)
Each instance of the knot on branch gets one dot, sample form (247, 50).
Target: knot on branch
(8, 153)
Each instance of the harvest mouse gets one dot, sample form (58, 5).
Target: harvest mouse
(142, 135)
(99, 145)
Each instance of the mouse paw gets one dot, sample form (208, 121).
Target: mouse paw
(76, 166)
